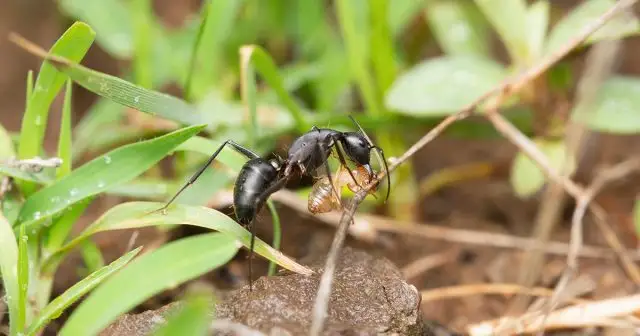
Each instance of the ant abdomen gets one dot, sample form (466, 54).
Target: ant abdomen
(255, 177)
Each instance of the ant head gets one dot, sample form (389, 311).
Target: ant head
(357, 148)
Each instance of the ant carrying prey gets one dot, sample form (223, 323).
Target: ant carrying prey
(259, 177)
(322, 199)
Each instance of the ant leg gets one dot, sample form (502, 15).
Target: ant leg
(315, 128)
(383, 161)
(242, 150)
(261, 199)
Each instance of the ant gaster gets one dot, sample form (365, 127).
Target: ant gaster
(259, 177)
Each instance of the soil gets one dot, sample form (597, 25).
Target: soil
(486, 204)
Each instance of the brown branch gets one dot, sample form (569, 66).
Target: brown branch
(530, 149)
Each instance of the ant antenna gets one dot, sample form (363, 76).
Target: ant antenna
(379, 155)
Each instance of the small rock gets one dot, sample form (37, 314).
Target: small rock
(369, 297)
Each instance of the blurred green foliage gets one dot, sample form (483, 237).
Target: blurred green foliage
(254, 71)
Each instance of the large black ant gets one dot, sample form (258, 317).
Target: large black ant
(259, 178)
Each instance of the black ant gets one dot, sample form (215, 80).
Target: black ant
(259, 178)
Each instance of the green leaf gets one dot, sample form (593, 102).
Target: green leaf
(64, 141)
(9, 271)
(277, 233)
(443, 85)
(509, 19)
(583, 15)
(140, 214)
(616, 108)
(119, 90)
(458, 27)
(537, 24)
(162, 269)
(73, 44)
(526, 178)
(71, 295)
(192, 318)
(116, 167)
(265, 65)
(46, 176)
(114, 31)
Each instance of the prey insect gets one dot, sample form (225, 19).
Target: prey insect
(322, 199)
(259, 177)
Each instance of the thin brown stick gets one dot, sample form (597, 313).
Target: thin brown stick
(429, 262)
(609, 175)
(484, 289)
(530, 149)
(368, 228)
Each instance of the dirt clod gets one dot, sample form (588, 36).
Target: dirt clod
(369, 297)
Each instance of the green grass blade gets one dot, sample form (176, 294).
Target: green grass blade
(382, 52)
(265, 65)
(46, 176)
(9, 271)
(248, 85)
(64, 142)
(277, 233)
(114, 31)
(164, 268)
(62, 226)
(208, 54)
(71, 295)
(192, 318)
(142, 15)
(73, 44)
(92, 256)
(538, 24)
(118, 166)
(119, 90)
(206, 8)
(23, 278)
(137, 215)
(100, 115)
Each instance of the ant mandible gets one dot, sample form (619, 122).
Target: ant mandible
(259, 178)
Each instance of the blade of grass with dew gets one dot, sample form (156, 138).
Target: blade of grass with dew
(119, 90)
(471, 33)
(164, 268)
(138, 214)
(265, 65)
(73, 44)
(118, 166)
(54, 309)
(9, 271)
(217, 21)
(192, 318)
(23, 279)
(277, 233)
(64, 141)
